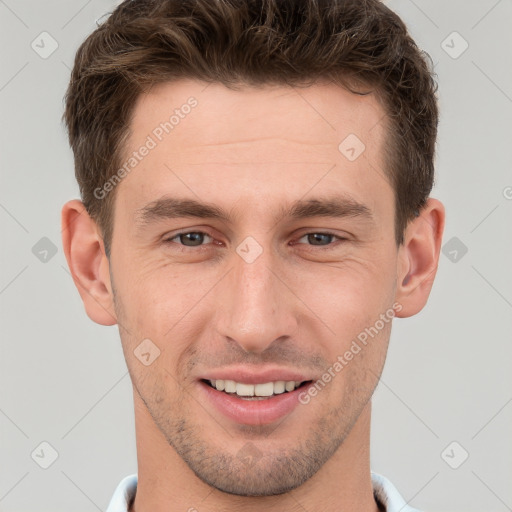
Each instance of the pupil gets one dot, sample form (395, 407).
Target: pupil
(195, 237)
(316, 237)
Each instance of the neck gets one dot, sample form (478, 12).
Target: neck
(166, 483)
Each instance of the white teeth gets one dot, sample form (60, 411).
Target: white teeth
(289, 386)
(266, 389)
(244, 389)
(279, 387)
(229, 386)
(263, 390)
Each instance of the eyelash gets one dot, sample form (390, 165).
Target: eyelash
(203, 246)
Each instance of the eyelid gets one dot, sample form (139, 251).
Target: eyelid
(338, 239)
(168, 238)
(319, 232)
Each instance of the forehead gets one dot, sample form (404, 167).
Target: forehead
(210, 142)
(321, 113)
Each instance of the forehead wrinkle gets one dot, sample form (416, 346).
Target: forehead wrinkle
(167, 207)
(250, 141)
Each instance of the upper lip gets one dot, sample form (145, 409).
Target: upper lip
(245, 375)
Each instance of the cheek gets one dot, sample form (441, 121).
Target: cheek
(168, 306)
(156, 295)
(359, 361)
(349, 296)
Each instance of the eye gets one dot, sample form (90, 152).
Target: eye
(200, 238)
(320, 239)
(189, 238)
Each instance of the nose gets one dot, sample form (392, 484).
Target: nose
(256, 306)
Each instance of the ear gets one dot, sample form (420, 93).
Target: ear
(418, 258)
(88, 263)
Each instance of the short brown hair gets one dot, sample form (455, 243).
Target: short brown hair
(354, 43)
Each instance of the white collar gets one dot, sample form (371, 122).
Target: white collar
(384, 491)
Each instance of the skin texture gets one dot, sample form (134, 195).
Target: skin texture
(298, 305)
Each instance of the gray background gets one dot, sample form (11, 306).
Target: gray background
(64, 381)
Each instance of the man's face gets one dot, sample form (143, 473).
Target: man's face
(264, 289)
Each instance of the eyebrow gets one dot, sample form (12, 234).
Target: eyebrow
(166, 207)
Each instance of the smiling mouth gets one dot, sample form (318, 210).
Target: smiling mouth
(255, 391)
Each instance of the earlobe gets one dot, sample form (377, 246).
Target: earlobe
(89, 266)
(419, 258)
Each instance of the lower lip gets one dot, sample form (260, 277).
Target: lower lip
(253, 412)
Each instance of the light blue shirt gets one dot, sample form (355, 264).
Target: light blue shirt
(383, 490)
